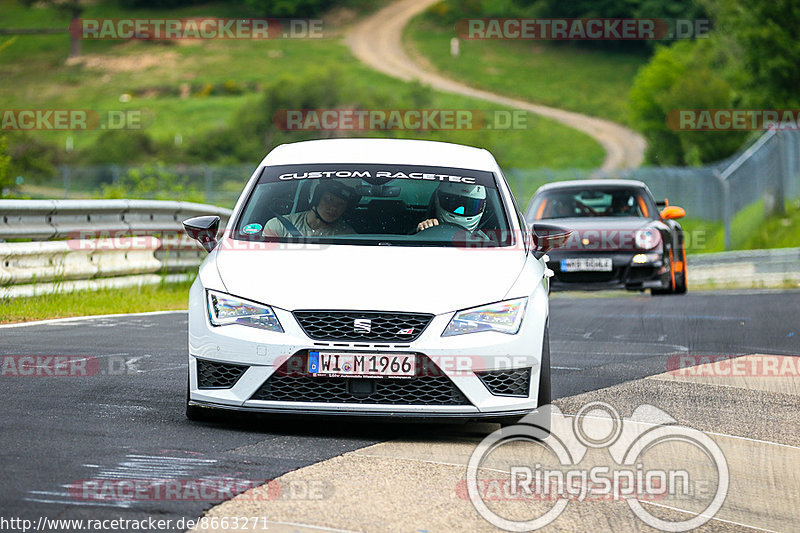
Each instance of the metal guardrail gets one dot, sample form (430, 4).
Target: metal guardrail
(100, 243)
(42, 266)
(778, 267)
(60, 219)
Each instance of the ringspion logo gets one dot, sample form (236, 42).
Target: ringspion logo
(596, 455)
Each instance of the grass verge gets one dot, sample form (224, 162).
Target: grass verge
(163, 297)
(561, 75)
(147, 77)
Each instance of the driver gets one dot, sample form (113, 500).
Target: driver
(460, 204)
(330, 201)
(622, 205)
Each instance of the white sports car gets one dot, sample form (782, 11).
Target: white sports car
(375, 278)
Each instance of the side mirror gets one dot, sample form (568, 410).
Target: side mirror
(672, 211)
(548, 236)
(203, 230)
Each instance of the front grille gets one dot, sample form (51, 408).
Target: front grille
(340, 325)
(213, 375)
(507, 382)
(430, 388)
(641, 273)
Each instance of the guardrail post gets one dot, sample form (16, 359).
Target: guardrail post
(209, 185)
(726, 207)
(784, 166)
(65, 176)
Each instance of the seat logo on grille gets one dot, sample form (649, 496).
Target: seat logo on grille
(362, 325)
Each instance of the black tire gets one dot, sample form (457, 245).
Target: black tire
(544, 396)
(194, 412)
(669, 289)
(681, 286)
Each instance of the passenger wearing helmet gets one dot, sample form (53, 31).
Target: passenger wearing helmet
(622, 205)
(330, 201)
(460, 204)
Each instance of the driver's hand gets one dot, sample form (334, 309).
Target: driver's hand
(425, 224)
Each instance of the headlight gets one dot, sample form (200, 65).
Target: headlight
(647, 239)
(641, 259)
(505, 317)
(224, 309)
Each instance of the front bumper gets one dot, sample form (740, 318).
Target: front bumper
(370, 414)
(624, 273)
(262, 353)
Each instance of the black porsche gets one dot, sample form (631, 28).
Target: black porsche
(620, 239)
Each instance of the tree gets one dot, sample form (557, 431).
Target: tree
(768, 33)
(686, 75)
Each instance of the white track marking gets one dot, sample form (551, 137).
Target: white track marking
(706, 516)
(82, 318)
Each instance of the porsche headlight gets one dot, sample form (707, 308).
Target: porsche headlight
(224, 309)
(505, 317)
(647, 239)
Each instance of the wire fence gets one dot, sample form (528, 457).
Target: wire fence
(767, 171)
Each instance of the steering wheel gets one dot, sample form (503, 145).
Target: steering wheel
(585, 208)
(442, 229)
(448, 231)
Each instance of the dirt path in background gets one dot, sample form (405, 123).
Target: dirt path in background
(377, 41)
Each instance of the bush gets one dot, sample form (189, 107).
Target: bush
(683, 76)
(6, 180)
(254, 129)
(156, 182)
(32, 157)
(115, 146)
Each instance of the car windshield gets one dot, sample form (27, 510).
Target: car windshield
(590, 202)
(375, 205)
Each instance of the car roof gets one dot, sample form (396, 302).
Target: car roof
(582, 184)
(382, 151)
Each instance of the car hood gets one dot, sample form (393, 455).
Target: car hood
(593, 223)
(602, 233)
(390, 278)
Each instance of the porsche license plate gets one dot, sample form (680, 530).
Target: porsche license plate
(586, 264)
(361, 365)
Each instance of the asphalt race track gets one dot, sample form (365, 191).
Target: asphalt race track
(125, 419)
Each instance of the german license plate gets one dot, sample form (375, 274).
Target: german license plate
(361, 365)
(586, 264)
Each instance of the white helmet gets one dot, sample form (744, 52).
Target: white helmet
(461, 204)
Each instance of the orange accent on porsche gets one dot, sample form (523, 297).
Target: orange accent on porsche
(643, 206)
(672, 269)
(540, 211)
